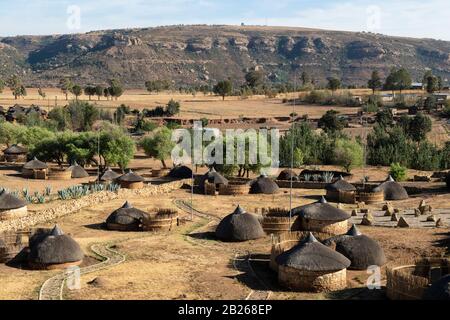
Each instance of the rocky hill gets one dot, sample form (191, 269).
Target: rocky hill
(204, 54)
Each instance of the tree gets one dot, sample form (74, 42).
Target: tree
(254, 78)
(385, 118)
(17, 88)
(348, 154)
(398, 80)
(115, 89)
(61, 117)
(375, 82)
(99, 90)
(9, 132)
(333, 84)
(89, 91)
(305, 78)
(116, 147)
(398, 172)
(157, 85)
(2, 85)
(223, 88)
(41, 93)
(330, 122)
(77, 91)
(172, 108)
(66, 86)
(106, 93)
(419, 126)
(432, 84)
(82, 115)
(159, 145)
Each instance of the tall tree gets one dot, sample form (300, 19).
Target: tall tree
(89, 91)
(17, 88)
(223, 88)
(374, 82)
(77, 91)
(159, 145)
(2, 85)
(333, 84)
(398, 80)
(66, 86)
(254, 78)
(115, 89)
(99, 90)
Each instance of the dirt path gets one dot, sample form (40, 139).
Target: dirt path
(241, 261)
(53, 288)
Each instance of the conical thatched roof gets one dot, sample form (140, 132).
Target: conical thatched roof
(311, 255)
(287, 175)
(180, 172)
(10, 202)
(239, 226)
(440, 290)
(361, 250)
(264, 184)
(392, 190)
(78, 171)
(212, 176)
(127, 215)
(341, 185)
(35, 164)
(55, 248)
(131, 177)
(321, 210)
(109, 175)
(15, 149)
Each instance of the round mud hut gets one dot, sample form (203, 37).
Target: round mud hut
(211, 181)
(126, 218)
(109, 176)
(361, 250)
(180, 172)
(313, 267)
(341, 191)
(392, 190)
(35, 169)
(322, 217)
(287, 175)
(161, 220)
(131, 181)
(15, 153)
(234, 188)
(78, 171)
(11, 207)
(54, 250)
(239, 226)
(264, 185)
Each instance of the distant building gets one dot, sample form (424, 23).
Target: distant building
(417, 86)
(441, 98)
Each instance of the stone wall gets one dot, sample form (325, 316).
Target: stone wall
(63, 208)
(329, 227)
(312, 281)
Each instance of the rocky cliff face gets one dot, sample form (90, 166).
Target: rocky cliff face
(205, 54)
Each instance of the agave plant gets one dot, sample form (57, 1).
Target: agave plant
(28, 198)
(41, 199)
(25, 192)
(48, 191)
(316, 177)
(308, 177)
(328, 177)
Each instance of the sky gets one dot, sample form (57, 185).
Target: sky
(413, 18)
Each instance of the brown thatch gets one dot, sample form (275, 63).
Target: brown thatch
(440, 290)
(392, 190)
(10, 202)
(180, 172)
(321, 210)
(214, 177)
(35, 164)
(126, 217)
(239, 226)
(54, 248)
(131, 177)
(109, 175)
(341, 185)
(15, 150)
(287, 175)
(311, 255)
(265, 185)
(78, 171)
(361, 250)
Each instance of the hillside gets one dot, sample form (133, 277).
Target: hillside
(204, 54)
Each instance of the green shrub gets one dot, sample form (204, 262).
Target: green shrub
(398, 172)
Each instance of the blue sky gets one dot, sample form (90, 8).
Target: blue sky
(393, 17)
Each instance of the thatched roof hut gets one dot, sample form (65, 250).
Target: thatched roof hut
(312, 266)
(180, 172)
(131, 181)
(35, 164)
(392, 190)
(78, 171)
(109, 175)
(287, 175)
(265, 185)
(439, 290)
(361, 250)
(214, 178)
(11, 207)
(35, 169)
(54, 250)
(341, 191)
(126, 218)
(239, 226)
(15, 153)
(322, 217)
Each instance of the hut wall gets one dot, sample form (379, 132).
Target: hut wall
(403, 285)
(310, 281)
(59, 175)
(11, 246)
(335, 228)
(122, 227)
(131, 185)
(13, 214)
(15, 157)
(347, 197)
(234, 189)
(210, 188)
(332, 195)
(277, 225)
(371, 197)
(60, 266)
(29, 174)
(166, 223)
